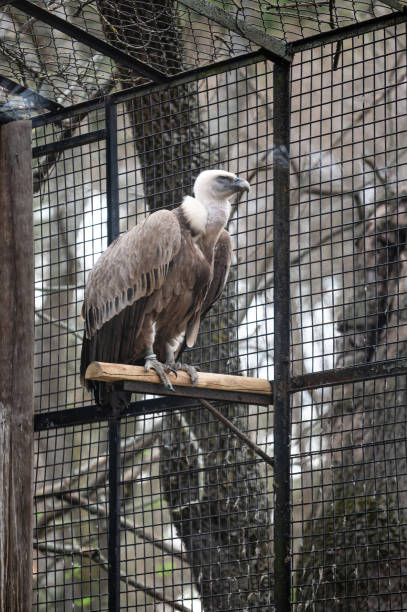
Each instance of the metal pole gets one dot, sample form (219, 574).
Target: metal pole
(113, 228)
(282, 424)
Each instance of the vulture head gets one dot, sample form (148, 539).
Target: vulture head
(218, 185)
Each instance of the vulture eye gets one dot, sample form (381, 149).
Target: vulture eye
(223, 179)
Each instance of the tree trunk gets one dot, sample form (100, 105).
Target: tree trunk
(214, 486)
(354, 546)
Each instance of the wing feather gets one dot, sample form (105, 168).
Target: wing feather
(132, 267)
(221, 266)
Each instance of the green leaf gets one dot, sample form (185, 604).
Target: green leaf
(82, 603)
(165, 570)
(74, 573)
(154, 506)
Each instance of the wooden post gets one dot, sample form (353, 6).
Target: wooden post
(16, 366)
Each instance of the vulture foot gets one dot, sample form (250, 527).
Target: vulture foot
(193, 372)
(152, 363)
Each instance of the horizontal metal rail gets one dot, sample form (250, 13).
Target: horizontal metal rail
(355, 29)
(69, 143)
(238, 397)
(83, 415)
(140, 90)
(340, 376)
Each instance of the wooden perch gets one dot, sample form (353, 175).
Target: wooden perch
(240, 389)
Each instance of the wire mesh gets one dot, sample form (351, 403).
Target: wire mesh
(348, 307)
(196, 505)
(348, 180)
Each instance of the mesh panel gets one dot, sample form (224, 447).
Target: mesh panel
(347, 220)
(348, 278)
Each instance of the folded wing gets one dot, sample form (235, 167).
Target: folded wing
(132, 267)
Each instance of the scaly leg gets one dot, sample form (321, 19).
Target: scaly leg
(175, 366)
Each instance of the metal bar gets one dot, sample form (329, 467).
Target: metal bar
(112, 184)
(70, 111)
(195, 74)
(113, 228)
(240, 397)
(69, 143)
(95, 413)
(393, 367)
(88, 39)
(239, 25)
(139, 90)
(114, 515)
(240, 434)
(26, 93)
(356, 29)
(282, 424)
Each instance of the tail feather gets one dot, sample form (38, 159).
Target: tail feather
(103, 392)
(85, 361)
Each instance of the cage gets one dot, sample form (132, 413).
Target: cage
(164, 506)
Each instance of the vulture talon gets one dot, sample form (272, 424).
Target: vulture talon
(152, 363)
(170, 368)
(190, 370)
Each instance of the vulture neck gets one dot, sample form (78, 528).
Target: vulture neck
(206, 221)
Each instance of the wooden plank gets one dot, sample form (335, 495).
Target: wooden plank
(210, 386)
(16, 366)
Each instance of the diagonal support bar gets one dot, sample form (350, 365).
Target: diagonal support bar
(29, 95)
(275, 47)
(88, 39)
(240, 434)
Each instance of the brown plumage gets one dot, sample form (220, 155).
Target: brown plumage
(146, 294)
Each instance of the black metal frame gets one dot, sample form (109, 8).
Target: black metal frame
(284, 384)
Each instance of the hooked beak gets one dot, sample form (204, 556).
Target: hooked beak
(241, 185)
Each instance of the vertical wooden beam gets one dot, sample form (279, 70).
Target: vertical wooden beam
(16, 366)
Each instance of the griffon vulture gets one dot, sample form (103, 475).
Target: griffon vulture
(146, 294)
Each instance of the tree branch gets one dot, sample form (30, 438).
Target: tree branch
(67, 550)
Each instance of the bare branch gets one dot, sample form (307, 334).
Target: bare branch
(94, 466)
(67, 550)
(61, 324)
